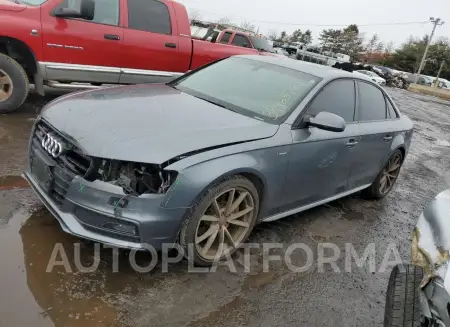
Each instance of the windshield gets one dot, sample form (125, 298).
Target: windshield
(256, 89)
(261, 44)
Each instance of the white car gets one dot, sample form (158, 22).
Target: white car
(373, 76)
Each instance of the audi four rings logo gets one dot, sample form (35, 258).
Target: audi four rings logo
(52, 145)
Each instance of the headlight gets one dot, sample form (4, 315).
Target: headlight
(137, 178)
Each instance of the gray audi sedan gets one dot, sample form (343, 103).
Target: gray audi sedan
(201, 160)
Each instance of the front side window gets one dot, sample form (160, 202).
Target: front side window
(241, 41)
(225, 38)
(256, 89)
(372, 105)
(106, 11)
(338, 97)
(150, 16)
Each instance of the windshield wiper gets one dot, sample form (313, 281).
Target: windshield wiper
(16, 1)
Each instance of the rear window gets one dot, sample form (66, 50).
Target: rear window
(226, 37)
(149, 15)
(257, 89)
(372, 105)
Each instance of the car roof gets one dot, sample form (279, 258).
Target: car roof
(325, 72)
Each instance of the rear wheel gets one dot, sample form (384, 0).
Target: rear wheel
(220, 221)
(386, 178)
(402, 299)
(14, 84)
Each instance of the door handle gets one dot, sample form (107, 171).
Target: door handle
(387, 138)
(351, 143)
(170, 45)
(112, 37)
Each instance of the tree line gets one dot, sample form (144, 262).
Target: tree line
(351, 41)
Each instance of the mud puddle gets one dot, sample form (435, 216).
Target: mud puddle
(12, 182)
(41, 295)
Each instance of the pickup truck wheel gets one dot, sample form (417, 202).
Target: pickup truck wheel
(14, 84)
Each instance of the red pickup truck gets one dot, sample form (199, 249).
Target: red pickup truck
(58, 42)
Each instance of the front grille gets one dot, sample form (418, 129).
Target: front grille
(72, 162)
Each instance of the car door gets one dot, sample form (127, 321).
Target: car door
(377, 133)
(320, 161)
(81, 50)
(151, 43)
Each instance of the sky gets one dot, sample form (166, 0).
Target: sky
(288, 15)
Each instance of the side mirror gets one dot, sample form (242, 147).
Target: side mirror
(327, 121)
(87, 11)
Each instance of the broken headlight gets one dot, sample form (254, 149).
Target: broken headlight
(136, 178)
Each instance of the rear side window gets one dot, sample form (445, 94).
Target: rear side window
(338, 97)
(241, 41)
(372, 105)
(226, 37)
(150, 16)
(390, 110)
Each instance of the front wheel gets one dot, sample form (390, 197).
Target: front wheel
(220, 221)
(14, 84)
(402, 307)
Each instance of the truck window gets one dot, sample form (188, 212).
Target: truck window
(241, 41)
(225, 38)
(150, 16)
(106, 11)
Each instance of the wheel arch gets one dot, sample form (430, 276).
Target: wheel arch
(24, 55)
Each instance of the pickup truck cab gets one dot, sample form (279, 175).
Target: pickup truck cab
(61, 42)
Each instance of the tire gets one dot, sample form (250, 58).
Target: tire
(402, 299)
(192, 220)
(20, 84)
(373, 191)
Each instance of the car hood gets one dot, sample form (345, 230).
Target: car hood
(148, 123)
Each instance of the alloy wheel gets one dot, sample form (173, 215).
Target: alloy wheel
(390, 174)
(224, 224)
(6, 86)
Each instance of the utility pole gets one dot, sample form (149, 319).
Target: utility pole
(436, 22)
(436, 82)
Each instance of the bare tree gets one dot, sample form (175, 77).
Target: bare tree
(273, 35)
(194, 14)
(248, 26)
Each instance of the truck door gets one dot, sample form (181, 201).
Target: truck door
(151, 49)
(81, 50)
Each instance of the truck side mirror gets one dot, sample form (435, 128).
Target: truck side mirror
(87, 11)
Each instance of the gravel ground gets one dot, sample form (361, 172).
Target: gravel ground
(279, 297)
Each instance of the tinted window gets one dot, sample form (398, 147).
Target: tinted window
(225, 38)
(149, 15)
(390, 110)
(372, 105)
(250, 87)
(106, 11)
(338, 97)
(241, 41)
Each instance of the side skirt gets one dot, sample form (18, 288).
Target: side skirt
(314, 204)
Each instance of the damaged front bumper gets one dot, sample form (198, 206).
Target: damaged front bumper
(94, 211)
(430, 250)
